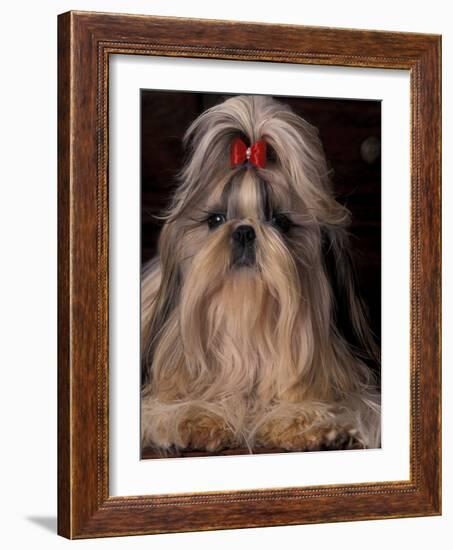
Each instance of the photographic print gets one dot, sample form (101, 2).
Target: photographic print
(224, 263)
(260, 275)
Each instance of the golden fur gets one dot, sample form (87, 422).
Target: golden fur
(251, 355)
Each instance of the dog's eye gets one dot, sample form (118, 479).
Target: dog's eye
(215, 220)
(282, 223)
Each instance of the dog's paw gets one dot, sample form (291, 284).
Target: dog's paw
(336, 439)
(206, 432)
(296, 435)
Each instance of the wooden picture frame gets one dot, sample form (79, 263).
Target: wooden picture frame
(85, 42)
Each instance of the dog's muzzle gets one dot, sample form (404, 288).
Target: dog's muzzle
(243, 238)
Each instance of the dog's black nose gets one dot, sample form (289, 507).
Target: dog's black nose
(244, 234)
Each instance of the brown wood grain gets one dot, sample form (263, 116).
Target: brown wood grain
(85, 42)
(64, 367)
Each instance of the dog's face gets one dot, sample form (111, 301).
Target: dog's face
(249, 229)
(240, 253)
(241, 223)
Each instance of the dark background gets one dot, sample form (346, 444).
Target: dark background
(344, 126)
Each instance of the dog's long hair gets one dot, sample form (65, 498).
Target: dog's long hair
(282, 332)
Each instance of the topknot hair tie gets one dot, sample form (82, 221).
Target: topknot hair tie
(254, 155)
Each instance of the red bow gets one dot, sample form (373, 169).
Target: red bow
(255, 154)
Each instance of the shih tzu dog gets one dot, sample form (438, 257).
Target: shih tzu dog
(252, 331)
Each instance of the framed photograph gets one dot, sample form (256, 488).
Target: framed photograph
(249, 275)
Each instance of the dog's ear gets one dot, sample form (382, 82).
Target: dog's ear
(350, 314)
(164, 302)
